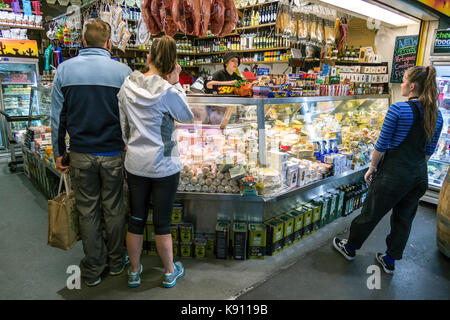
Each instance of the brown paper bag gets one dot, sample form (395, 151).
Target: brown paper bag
(63, 223)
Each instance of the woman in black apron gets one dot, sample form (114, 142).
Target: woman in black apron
(398, 177)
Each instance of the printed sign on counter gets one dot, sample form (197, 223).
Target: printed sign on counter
(405, 56)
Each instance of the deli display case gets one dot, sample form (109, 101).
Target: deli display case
(248, 159)
(18, 78)
(440, 161)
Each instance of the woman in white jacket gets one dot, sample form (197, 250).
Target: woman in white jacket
(149, 103)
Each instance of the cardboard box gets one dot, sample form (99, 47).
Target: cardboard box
(222, 239)
(316, 215)
(176, 249)
(288, 233)
(175, 232)
(186, 249)
(325, 218)
(275, 233)
(307, 220)
(256, 241)
(186, 232)
(239, 240)
(210, 245)
(340, 203)
(200, 248)
(297, 215)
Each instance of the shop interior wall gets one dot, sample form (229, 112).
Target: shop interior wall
(385, 43)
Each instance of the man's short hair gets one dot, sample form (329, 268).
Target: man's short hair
(96, 32)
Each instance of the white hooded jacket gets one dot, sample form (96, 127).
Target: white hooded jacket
(148, 107)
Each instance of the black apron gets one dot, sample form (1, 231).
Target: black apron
(400, 181)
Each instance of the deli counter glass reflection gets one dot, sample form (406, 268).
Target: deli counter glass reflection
(300, 142)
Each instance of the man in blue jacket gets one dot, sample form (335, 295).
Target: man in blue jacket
(84, 104)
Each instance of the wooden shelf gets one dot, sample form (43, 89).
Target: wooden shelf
(21, 10)
(241, 51)
(258, 26)
(21, 27)
(258, 5)
(264, 62)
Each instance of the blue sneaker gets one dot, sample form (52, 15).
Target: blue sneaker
(134, 279)
(119, 270)
(171, 279)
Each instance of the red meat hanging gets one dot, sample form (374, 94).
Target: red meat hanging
(153, 27)
(183, 16)
(217, 17)
(231, 18)
(169, 25)
(205, 17)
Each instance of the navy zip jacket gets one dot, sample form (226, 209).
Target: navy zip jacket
(84, 103)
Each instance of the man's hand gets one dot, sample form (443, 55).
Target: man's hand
(368, 177)
(59, 165)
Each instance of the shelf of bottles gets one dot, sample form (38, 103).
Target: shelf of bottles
(261, 15)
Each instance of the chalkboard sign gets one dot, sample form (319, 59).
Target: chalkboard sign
(442, 42)
(405, 56)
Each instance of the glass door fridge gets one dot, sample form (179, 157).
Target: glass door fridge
(17, 77)
(440, 161)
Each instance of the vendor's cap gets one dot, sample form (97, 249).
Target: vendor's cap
(229, 55)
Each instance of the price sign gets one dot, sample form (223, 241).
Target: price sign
(405, 56)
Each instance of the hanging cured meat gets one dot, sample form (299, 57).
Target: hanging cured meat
(192, 17)
(155, 6)
(196, 9)
(217, 17)
(205, 17)
(169, 25)
(149, 20)
(182, 13)
(230, 17)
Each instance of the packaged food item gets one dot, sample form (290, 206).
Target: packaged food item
(320, 33)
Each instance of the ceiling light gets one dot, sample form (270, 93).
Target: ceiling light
(372, 11)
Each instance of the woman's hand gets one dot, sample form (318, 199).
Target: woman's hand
(174, 77)
(368, 177)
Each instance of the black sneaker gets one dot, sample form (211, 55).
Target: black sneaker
(340, 246)
(93, 283)
(388, 268)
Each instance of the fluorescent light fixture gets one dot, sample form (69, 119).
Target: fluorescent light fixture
(372, 11)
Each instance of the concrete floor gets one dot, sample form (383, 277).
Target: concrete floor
(29, 269)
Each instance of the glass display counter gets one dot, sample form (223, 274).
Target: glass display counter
(248, 158)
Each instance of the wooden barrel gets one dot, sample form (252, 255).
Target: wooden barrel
(443, 217)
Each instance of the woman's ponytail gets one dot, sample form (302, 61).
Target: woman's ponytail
(163, 54)
(425, 80)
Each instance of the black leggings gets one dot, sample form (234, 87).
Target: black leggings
(161, 192)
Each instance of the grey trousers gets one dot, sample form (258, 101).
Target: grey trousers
(98, 184)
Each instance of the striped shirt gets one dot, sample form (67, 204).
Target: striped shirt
(396, 126)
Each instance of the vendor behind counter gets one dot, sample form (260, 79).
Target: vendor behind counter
(225, 77)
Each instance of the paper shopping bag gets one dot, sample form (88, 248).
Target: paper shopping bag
(63, 223)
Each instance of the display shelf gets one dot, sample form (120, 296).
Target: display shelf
(21, 10)
(241, 51)
(204, 98)
(439, 161)
(17, 83)
(258, 5)
(21, 27)
(263, 62)
(258, 26)
(273, 198)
